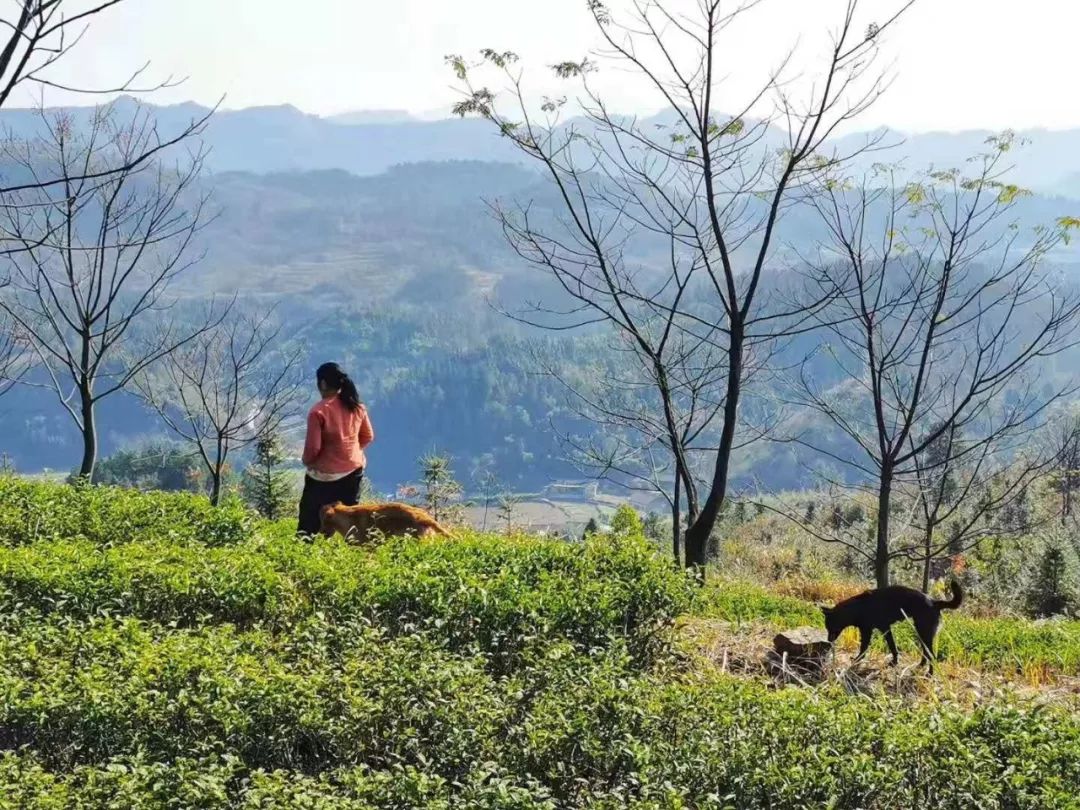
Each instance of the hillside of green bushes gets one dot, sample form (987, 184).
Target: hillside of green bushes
(158, 653)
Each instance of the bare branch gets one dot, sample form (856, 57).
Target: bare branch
(940, 317)
(226, 388)
(97, 248)
(671, 226)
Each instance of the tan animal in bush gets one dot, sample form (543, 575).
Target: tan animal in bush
(357, 523)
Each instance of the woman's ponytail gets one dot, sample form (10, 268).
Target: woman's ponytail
(331, 375)
(348, 393)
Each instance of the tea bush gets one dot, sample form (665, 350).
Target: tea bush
(33, 511)
(371, 721)
(82, 692)
(180, 584)
(499, 594)
(183, 667)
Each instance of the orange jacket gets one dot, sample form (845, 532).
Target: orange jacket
(336, 437)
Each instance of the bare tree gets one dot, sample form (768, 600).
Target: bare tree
(961, 496)
(649, 415)
(95, 258)
(1064, 451)
(40, 33)
(938, 307)
(704, 188)
(14, 360)
(228, 388)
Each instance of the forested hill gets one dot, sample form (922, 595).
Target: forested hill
(418, 235)
(397, 271)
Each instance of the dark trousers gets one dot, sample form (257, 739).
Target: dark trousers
(318, 494)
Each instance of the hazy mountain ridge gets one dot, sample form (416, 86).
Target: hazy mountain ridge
(283, 138)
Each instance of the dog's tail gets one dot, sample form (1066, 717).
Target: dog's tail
(955, 602)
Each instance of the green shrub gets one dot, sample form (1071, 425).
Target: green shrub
(626, 521)
(738, 744)
(83, 692)
(160, 465)
(172, 583)
(32, 511)
(132, 783)
(222, 783)
(1051, 592)
(348, 717)
(495, 593)
(502, 594)
(150, 669)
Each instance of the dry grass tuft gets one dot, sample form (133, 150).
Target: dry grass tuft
(745, 650)
(817, 590)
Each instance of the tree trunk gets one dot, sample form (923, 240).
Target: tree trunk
(676, 520)
(927, 549)
(215, 476)
(690, 495)
(215, 487)
(696, 541)
(881, 553)
(89, 435)
(270, 500)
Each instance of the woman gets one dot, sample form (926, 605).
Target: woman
(338, 430)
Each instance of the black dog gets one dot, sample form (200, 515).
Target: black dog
(882, 608)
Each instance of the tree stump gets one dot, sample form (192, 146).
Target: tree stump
(802, 651)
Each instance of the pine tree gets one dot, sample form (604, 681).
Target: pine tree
(442, 492)
(266, 486)
(506, 512)
(592, 527)
(1051, 592)
(740, 512)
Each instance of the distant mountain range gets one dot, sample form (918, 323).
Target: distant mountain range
(370, 234)
(281, 139)
(365, 142)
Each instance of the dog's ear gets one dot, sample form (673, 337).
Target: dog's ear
(826, 609)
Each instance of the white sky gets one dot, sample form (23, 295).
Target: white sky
(957, 63)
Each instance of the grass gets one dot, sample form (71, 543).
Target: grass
(1036, 652)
